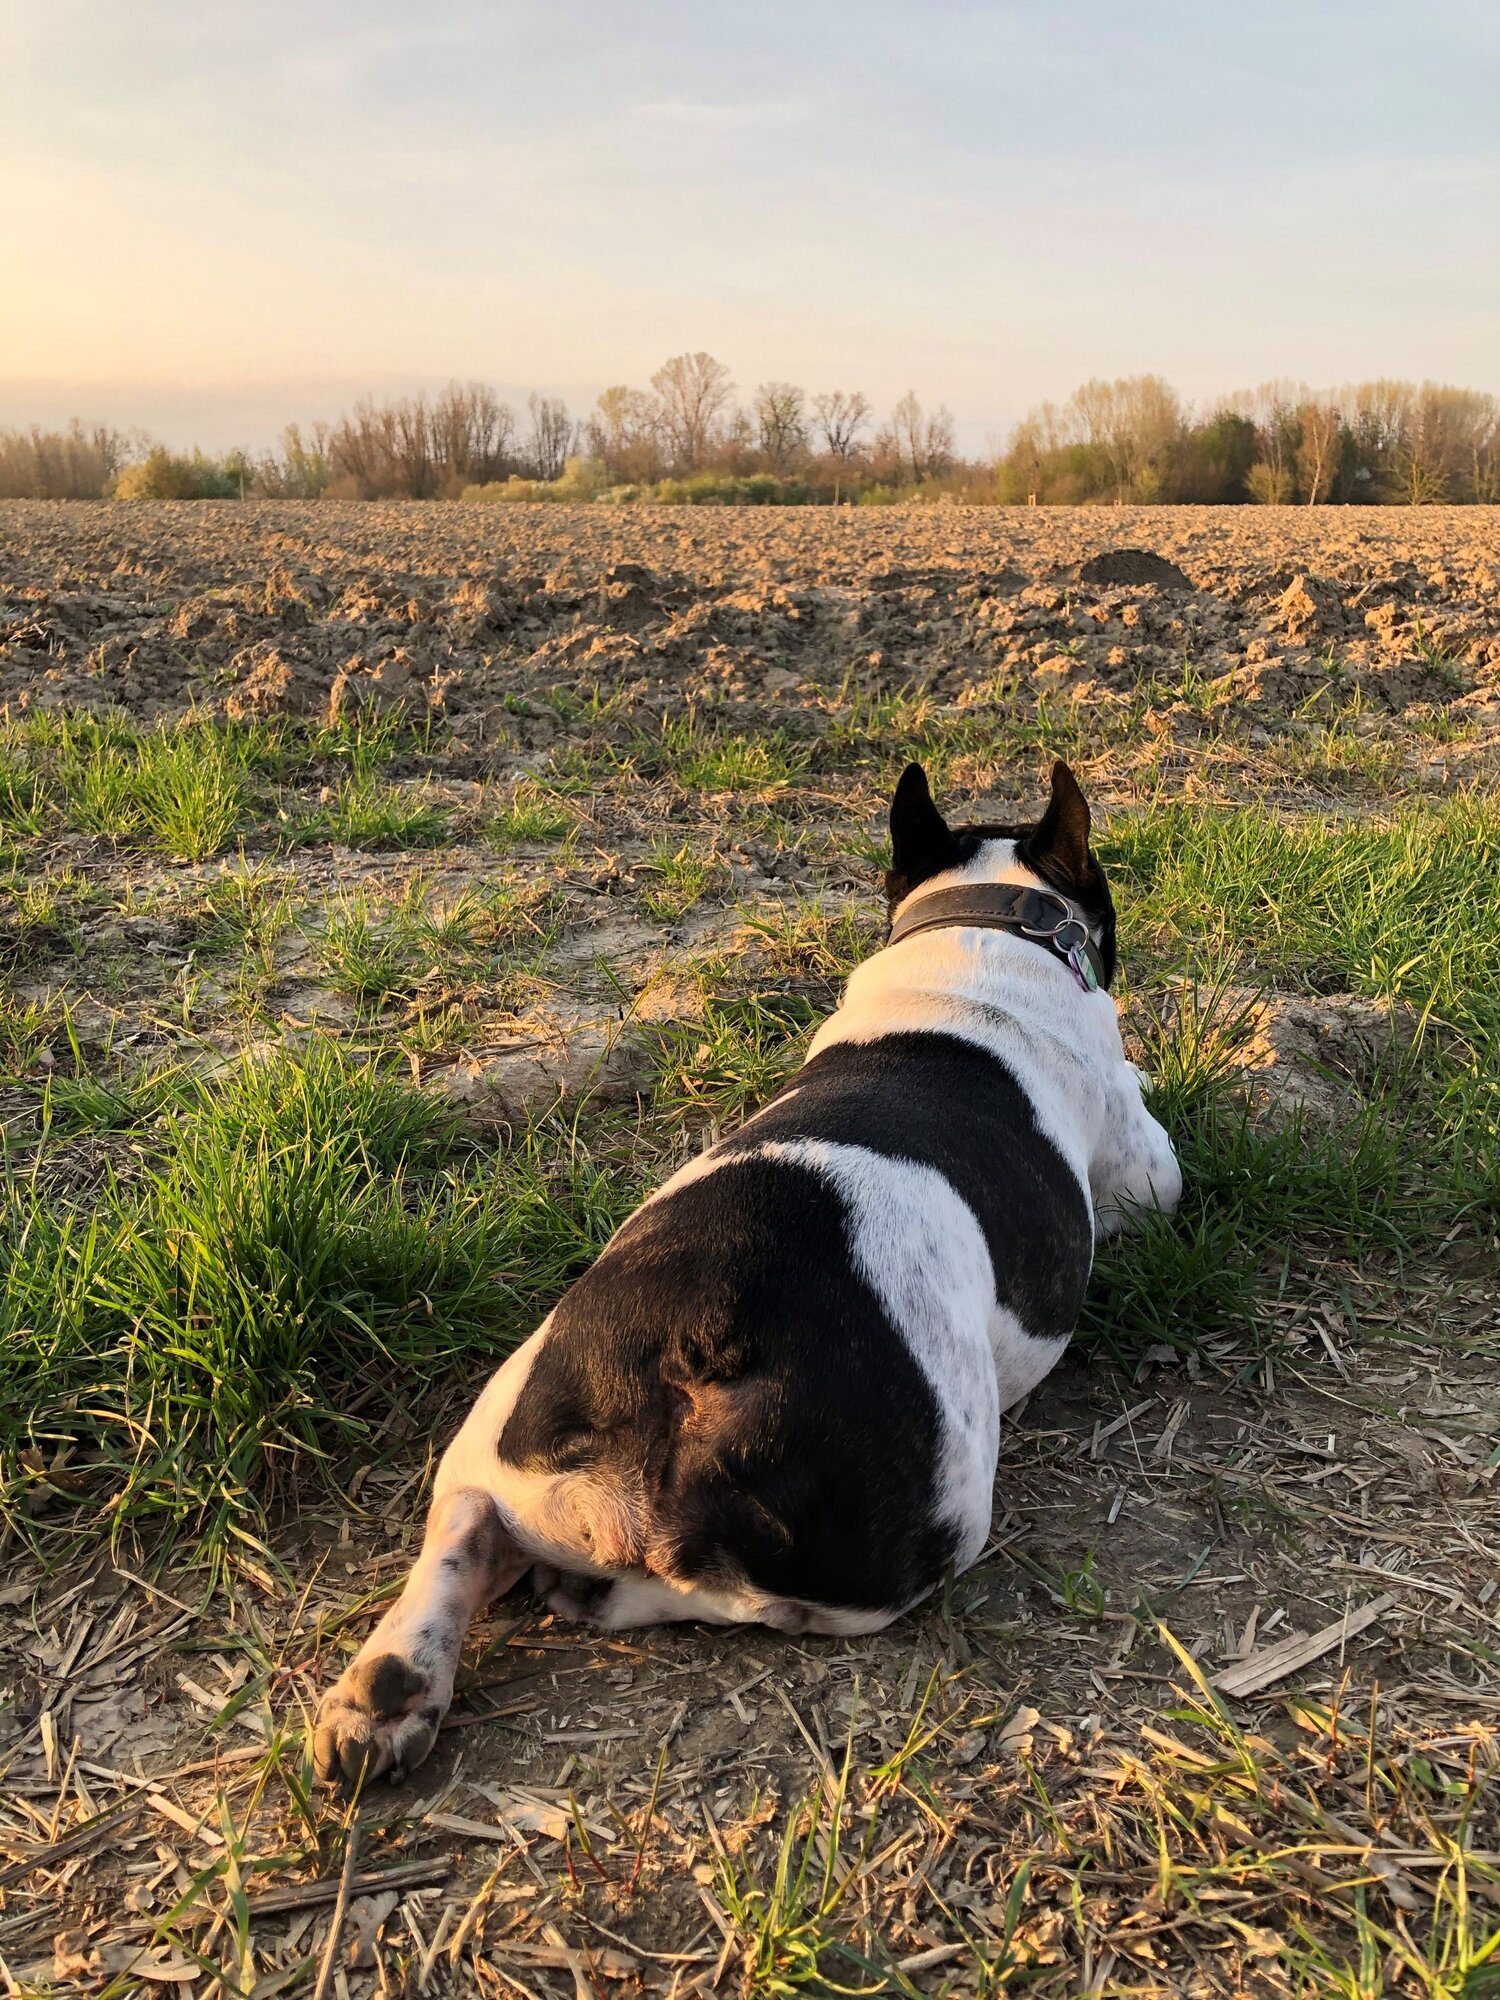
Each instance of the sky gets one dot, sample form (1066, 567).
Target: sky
(218, 217)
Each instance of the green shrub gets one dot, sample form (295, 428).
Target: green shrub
(165, 475)
(719, 489)
(1269, 485)
(582, 479)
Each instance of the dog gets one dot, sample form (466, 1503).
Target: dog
(775, 1397)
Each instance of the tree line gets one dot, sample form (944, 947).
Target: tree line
(689, 437)
(1279, 444)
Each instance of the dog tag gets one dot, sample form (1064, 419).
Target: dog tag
(1083, 968)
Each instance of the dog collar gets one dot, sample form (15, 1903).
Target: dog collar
(1045, 916)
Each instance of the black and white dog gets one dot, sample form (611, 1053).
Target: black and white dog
(776, 1396)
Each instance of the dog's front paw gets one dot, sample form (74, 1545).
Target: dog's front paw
(381, 1714)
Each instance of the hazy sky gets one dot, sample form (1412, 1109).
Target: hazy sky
(214, 217)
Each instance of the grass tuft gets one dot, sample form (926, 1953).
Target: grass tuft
(366, 811)
(701, 758)
(679, 877)
(532, 812)
(183, 792)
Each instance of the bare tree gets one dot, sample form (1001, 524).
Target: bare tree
(1321, 423)
(300, 470)
(363, 450)
(453, 427)
(1272, 407)
(780, 423)
(74, 464)
(413, 448)
(1419, 460)
(1378, 416)
(939, 442)
(923, 443)
(473, 435)
(1449, 443)
(550, 437)
(692, 391)
(1484, 451)
(841, 415)
(623, 434)
(1134, 421)
(464, 436)
(906, 429)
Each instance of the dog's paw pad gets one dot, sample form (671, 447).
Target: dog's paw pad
(382, 1714)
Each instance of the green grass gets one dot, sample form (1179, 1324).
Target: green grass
(114, 1098)
(183, 792)
(678, 877)
(242, 911)
(808, 940)
(367, 953)
(1404, 911)
(201, 1316)
(192, 790)
(533, 812)
(715, 1072)
(364, 810)
(973, 742)
(298, 1227)
(1264, 1192)
(376, 950)
(1440, 658)
(703, 758)
(1405, 907)
(39, 919)
(23, 796)
(791, 1926)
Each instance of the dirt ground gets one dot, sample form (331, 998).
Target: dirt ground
(1220, 1697)
(272, 607)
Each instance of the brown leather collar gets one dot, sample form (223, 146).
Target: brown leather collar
(1045, 916)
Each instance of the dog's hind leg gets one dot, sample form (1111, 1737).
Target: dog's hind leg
(383, 1712)
(618, 1604)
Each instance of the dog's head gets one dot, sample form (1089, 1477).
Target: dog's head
(1052, 852)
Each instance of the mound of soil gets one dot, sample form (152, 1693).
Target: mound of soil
(1134, 566)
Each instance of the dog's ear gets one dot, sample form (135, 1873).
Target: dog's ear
(1058, 848)
(921, 843)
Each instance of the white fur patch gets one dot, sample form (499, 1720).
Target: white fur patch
(470, 1460)
(921, 1250)
(1021, 1360)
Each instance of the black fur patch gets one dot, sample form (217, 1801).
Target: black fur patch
(724, 1351)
